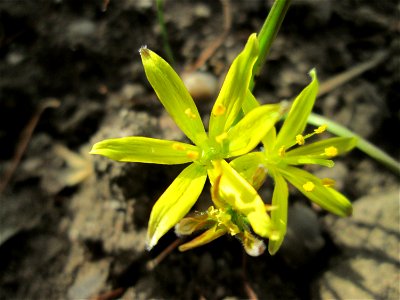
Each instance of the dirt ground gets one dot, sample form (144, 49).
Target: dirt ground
(73, 226)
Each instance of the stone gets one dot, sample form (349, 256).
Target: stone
(369, 267)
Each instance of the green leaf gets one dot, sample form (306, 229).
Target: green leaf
(173, 95)
(241, 196)
(175, 202)
(268, 33)
(362, 144)
(296, 120)
(247, 134)
(279, 211)
(145, 150)
(326, 197)
(234, 89)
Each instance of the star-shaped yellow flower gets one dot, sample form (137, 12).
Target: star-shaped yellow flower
(225, 139)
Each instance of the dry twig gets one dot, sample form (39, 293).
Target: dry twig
(24, 139)
(210, 50)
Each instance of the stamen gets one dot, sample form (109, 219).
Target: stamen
(328, 182)
(308, 186)
(219, 110)
(300, 139)
(192, 154)
(282, 151)
(220, 138)
(321, 129)
(178, 146)
(190, 114)
(331, 151)
(269, 207)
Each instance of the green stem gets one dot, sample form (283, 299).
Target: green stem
(362, 144)
(164, 33)
(268, 33)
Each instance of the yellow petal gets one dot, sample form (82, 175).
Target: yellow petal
(176, 202)
(326, 197)
(188, 225)
(234, 89)
(247, 134)
(173, 95)
(296, 120)
(145, 150)
(205, 238)
(241, 196)
(251, 167)
(317, 149)
(279, 214)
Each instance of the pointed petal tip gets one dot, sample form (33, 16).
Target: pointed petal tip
(93, 151)
(272, 251)
(144, 51)
(150, 243)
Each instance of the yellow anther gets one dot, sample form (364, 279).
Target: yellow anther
(192, 154)
(178, 146)
(190, 114)
(308, 186)
(219, 110)
(282, 151)
(328, 182)
(331, 151)
(321, 129)
(275, 235)
(300, 139)
(220, 138)
(269, 207)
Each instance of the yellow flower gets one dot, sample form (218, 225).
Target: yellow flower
(225, 138)
(286, 150)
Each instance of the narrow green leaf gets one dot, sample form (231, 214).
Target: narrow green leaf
(279, 211)
(173, 95)
(268, 33)
(241, 196)
(362, 144)
(326, 197)
(296, 120)
(144, 150)
(247, 134)
(164, 32)
(234, 89)
(175, 202)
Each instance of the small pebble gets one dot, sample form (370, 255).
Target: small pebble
(201, 85)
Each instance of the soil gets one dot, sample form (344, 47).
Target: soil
(73, 226)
